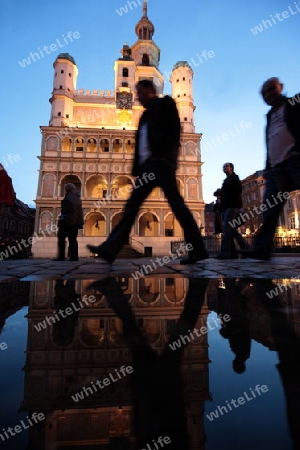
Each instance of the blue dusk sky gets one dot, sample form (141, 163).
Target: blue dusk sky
(249, 42)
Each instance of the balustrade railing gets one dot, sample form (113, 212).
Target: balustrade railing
(281, 244)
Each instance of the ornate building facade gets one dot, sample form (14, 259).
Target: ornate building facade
(90, 142)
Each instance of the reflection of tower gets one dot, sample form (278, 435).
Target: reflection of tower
(54, 373)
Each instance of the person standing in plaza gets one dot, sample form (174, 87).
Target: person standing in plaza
(156, 154)
(216, 210)
(70, 221)
(231, 204)
(282, 171)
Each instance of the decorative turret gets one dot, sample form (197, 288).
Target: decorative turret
(64, 88)
(182, 92)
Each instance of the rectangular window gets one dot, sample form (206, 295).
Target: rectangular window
(292, 223)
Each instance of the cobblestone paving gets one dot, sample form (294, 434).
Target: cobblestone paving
(41, 269)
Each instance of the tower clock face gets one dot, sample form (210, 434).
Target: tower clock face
(124, 100)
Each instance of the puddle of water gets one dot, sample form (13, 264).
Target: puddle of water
(172, 362)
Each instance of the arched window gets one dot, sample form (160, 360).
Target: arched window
(66, 144)
(117, 146)
(51, 143)
(104, 145)
(91, 145)
(48, 186)
(192, 189)
(70, 179)
(79, 145)
(145, 60)
(96, 187)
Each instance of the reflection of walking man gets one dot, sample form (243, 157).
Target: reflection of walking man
(157, 385)
(237, 330)
(282, 170)
(156, 153)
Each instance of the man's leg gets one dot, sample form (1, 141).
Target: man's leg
(227, 239)
(115, 241)
(167, 181)
(73, 244)
(61, 241)
(263, 243)
(233, 250)
(264, 239)
(239, 239)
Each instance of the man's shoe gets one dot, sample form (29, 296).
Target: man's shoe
(73, 259)
(255, 253)
(58, 259)
(101, 253)
(193, 259)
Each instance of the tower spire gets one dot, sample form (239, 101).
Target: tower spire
(144, 29)
(145, 9)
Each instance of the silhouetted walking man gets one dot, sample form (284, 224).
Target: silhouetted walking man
(156, 154)
(282, 172)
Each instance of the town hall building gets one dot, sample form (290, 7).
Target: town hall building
(90, 142)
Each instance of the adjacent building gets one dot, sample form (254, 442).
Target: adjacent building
(16, 221)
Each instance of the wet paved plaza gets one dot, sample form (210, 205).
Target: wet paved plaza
(103, 357)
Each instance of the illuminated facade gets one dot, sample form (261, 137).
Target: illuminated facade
(90, 142)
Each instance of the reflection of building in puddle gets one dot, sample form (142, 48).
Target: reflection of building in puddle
(54, 372)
